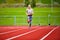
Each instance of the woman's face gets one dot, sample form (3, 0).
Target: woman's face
(29, 6)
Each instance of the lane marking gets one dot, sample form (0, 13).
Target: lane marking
(48, 33)
(22, 34)
(10, 31)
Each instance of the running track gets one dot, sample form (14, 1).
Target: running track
(24, 33)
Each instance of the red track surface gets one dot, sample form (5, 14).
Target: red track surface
(35, 33)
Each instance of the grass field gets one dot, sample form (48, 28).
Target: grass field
(17, 16)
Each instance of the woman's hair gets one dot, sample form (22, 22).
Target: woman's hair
(29, 5)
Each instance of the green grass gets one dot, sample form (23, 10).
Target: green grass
(21, 17)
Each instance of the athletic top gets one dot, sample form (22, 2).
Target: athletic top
(29, 12)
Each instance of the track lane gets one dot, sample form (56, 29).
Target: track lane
(10, 28)
(5, 36)
(8, 35)
(55, 35)
(36, 35)
(6, 29)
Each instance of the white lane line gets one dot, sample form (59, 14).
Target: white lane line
(48, 33)
(22, 34)
(10, 31)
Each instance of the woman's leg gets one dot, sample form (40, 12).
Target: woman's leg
(30, 21)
